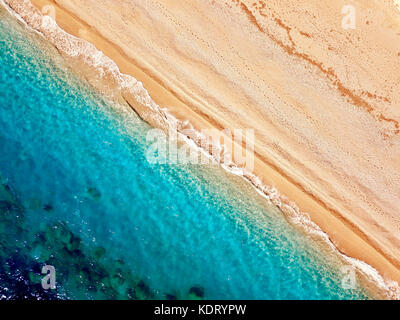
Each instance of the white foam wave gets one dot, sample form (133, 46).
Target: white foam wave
(77, 48)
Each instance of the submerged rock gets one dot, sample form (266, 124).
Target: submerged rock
(9, 201)
(196, 293)
(6, 206)
(99, 252)
(5, 193)
(73, 244)
(93, 193)
(142, 291)
(130, 293)
(98, 273)
(83, 270)
(171, 297)
(117, 280)
(58, 234)
(48, 207)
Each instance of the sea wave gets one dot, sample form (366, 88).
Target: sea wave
(73, 47)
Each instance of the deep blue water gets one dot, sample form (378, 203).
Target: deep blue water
(78, 193)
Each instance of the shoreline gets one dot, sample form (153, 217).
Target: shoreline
(346, 236)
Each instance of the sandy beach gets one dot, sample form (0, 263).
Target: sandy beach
(323, 100)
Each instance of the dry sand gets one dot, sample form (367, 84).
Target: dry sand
(324, 101)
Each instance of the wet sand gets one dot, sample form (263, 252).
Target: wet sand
(323, 100)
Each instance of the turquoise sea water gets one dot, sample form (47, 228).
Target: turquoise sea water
(77, 193)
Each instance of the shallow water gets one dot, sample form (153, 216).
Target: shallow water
(78, 193)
